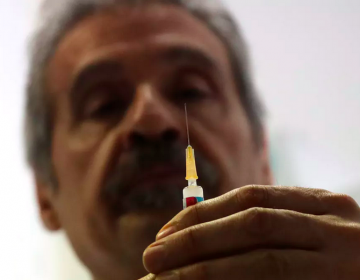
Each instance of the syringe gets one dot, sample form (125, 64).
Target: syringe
(193, 193)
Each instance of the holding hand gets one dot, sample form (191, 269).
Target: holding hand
(261, 232)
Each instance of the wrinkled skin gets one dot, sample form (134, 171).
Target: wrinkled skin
(117, 84)
(261, 232)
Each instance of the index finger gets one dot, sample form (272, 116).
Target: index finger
(303, 200)
(148, 277)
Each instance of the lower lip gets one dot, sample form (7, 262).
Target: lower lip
(171, 179)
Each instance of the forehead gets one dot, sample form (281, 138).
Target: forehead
(110, 33)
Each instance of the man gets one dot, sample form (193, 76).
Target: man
(106, 139)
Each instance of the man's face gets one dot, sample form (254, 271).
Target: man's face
(118, 82)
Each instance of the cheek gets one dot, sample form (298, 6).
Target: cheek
(73, 152)
(224, 136)
(229, 129)
(235, 143)
(237, 135)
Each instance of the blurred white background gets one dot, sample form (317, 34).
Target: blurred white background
(307, 67)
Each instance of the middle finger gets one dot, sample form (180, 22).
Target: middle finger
(241, 232)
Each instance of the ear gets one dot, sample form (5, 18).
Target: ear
(267, 173)
(45, 199)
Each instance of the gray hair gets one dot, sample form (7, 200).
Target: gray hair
(58, 16)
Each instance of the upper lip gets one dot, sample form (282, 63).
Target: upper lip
(158, 174)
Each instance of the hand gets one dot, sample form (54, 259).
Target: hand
(259, 232)
(149, 277)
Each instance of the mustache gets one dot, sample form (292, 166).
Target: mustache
(122, 196)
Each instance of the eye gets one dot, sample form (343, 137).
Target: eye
(192, 89)
(191, 94)
(103, 103)
(105, 109)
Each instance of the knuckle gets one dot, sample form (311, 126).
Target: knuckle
(346, 200)
(200, 271)
(194, 214)
(189, 217)
(258, 221)
(252, 196)
(275, 265)
(190, 240)
(341, 201)
(352, 233)
(317, 197)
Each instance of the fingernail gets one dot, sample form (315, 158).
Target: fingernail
(165, 232)
(168, 276)
(153, 257)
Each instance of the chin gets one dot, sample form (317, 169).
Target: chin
(135, 231)
(145, 222)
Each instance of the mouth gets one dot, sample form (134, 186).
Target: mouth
(153, 179)
(160, 175)
(155, 187)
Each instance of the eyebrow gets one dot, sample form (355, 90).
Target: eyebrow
(104, 68)
(95, 70)
(189, 55)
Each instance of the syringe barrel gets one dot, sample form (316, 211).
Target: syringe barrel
(192, 195)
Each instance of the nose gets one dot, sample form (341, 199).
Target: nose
(151, 119)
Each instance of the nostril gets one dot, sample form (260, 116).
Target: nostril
(137, 139)
(170, 136)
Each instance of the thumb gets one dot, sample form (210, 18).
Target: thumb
(148, 277)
